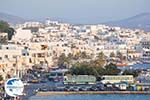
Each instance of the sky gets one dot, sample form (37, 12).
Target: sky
(75, 11)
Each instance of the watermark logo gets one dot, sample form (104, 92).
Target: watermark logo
(14, 87)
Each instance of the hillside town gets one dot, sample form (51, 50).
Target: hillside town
(43, 44)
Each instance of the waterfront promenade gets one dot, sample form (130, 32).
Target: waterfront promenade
(89, 92)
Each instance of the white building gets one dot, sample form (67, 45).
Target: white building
(10, 59)
(22, 34)
(146, 51)
(117, 79)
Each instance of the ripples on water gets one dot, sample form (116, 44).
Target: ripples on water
(93, 97)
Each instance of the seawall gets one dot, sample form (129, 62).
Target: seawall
(89, 92)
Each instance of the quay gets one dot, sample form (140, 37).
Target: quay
(89, 92)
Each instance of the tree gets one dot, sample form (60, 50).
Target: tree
(85, 68)
(101, 55)
(82, 69)
(101, 60)
(131, 72)
(4, 27)
(10, 32)
(77, 56)
(120, 56)
(111, 69)
(83, 55)
(1, 78)
(63, 61)
(112, 54)
(70, 56)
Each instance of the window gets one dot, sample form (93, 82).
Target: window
(66, 44)
(53, 74)
(30, 60)
(24, 54)
(59, 74)
(6, 56)
(14, 65)
(14, 56)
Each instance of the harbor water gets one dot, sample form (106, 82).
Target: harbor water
(93, 97)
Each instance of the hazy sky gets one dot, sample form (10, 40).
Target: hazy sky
(77, 11)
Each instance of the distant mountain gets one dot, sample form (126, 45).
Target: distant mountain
(141, 21)
(11, 18)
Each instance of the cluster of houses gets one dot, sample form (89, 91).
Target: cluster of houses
(42, 43)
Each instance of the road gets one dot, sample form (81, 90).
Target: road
(30, 89)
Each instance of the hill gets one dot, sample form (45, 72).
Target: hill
(141, 21)
(11, 18)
